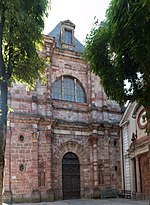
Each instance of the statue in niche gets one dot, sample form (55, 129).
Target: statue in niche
(101, 172)
(41, 173)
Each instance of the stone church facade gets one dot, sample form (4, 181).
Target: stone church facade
(63, 138)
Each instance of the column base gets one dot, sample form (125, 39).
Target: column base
(96, 193)
(88, 193)
(48, 196)
(7, 197)
(35, 197)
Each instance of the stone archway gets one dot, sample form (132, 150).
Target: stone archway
(83, 156)
(70, 176)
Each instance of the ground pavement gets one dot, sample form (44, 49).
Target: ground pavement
(91, 202)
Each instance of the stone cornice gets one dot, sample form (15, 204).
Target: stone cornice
(140, 147)
(21, 117)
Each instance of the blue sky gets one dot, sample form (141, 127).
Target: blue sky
(80, 12)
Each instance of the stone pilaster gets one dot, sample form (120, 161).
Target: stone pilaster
(35, 140)
(95, 162)
(94, 157)
(133, 184)
(138, 181)
(91, 161)
(49, 196)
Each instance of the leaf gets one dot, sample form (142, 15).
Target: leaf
(119, 48)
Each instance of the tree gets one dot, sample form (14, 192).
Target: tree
(21, 26)
(118, 51)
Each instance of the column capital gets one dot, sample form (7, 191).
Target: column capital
(35, 136)
(93, 140)
(49, 134)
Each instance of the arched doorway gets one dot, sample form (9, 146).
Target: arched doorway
(70, 176)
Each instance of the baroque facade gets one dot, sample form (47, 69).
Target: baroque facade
(63, 138)
(135, 152)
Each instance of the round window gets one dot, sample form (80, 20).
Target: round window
(142, 120)
(21, 167)
(21, 138)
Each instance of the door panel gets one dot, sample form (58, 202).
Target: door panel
(71, 176)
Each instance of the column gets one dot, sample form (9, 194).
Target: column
(49, 159)
(91, 162)
(35, 136)
(133, 178)
(95, 162)
(35, 153)
(138, 181)
(49, 196)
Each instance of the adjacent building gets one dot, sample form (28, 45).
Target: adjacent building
(63, 138)
(135, 152)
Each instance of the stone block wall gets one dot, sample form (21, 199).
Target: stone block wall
(42, 130)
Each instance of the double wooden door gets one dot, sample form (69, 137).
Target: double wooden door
(71, 176)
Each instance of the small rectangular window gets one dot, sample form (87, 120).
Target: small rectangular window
(68, 36)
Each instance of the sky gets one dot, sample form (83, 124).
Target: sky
(79, 12)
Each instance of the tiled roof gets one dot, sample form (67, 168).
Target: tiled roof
(56, 32)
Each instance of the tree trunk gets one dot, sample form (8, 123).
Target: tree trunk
(3, 123)
(3, 102)
(2, 148)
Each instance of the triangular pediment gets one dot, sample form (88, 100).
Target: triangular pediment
(68, 23)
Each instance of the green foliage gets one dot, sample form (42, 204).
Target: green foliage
(118, 51)
(22, 23)
(21, 26)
